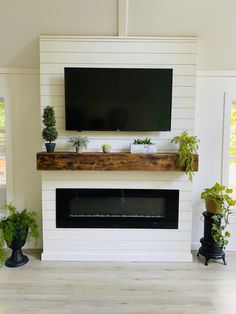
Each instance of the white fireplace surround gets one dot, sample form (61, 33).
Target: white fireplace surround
(57, 52)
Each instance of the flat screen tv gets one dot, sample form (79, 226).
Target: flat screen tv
(118, 99)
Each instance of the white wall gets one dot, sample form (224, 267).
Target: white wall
(213, 21)
(209, 128)
(21, 23)
(22, 90)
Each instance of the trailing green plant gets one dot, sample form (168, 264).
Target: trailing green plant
(188, 146)
(15, 223)
(220, 195)
(49, 133)
(78, 141)
(145, 141)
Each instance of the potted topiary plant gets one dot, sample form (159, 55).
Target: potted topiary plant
(106, 148)
(188, 146)
(15, 229)
(49, 133)
(79, 142)
(218, 204)
(143, 146)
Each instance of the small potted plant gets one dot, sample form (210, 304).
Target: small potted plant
(188, 146)
(15, 229)
(106, 148)
(143, 146)
(49, 133)
(79, 142)
(218, 204)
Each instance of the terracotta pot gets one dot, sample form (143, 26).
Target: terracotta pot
(211, 207)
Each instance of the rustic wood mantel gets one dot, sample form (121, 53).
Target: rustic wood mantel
(110, 161)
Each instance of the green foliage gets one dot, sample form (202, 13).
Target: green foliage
(49, 133)
(106, 147)
(16, 223)
(220, 195)
(78, 141)
(2, 252)
(188, 146)
(49, 116)
(145, 141)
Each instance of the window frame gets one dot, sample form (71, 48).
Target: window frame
(4, 94)
(229, 101)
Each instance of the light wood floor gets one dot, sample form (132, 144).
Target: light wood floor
(89, 287)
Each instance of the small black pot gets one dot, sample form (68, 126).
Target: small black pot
(17, 258)
(50, 147)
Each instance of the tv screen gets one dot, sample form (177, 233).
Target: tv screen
(118, 99)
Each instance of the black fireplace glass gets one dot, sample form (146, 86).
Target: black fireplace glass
(117, 208)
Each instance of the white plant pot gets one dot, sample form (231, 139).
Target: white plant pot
(143, 149)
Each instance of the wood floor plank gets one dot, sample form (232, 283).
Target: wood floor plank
(119, 287)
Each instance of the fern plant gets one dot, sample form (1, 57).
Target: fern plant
(188, 146)
(15, 224)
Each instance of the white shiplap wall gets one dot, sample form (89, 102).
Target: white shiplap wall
(118, 244)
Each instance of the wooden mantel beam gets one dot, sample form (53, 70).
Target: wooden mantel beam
(109, 161)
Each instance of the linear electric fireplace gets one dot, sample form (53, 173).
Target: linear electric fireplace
(117, 208)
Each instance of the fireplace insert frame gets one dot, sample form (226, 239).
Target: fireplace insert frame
(169, 221)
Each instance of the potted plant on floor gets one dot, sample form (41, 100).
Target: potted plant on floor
(49, 133)
(143, 146)
(15, 230)
(218, 204)
(188, 146)
(79, 142)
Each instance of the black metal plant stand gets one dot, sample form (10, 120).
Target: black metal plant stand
(209, 248)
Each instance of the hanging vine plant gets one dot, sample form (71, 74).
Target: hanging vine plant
(188, 146)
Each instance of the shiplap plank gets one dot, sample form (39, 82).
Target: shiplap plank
(166, 177)
(176, 123)
(118, 46)
(49, 195)
(118, 245)
(117, 234)
(183, 226)
(178, 69)
(50, 213)
(125, 58)
(59, 101)
(176, 112)
(58, 90)
(58, 80)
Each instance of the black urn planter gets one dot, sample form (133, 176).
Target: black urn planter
(17, 258)
(209, 248)
(50, 147)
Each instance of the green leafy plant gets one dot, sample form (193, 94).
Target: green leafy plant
(79, 141)
(145, 141)
(188, 146)
(106, 148)
(220, 196)
(49, 133)
(15, 223)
